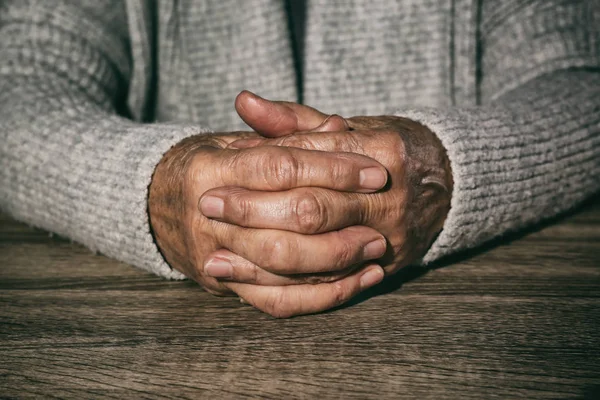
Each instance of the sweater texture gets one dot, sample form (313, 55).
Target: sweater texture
(92, 94)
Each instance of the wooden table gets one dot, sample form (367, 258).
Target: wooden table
(518, 320)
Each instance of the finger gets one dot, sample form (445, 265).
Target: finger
(276, 118)
(282, 168)
(288, 301)
(288, 253)
(333, 123)
(339, 141)
(301, 210)
(227, 266)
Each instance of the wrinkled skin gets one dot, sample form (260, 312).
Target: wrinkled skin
(187, 238)
(409, 211)
(293, 221)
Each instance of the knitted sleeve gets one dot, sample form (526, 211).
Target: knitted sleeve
(532, 148)
(68, 162)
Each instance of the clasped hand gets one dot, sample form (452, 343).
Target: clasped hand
(303, 213)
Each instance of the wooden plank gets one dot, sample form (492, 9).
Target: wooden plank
(519, 320)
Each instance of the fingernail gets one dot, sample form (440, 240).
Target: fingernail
(371, 278)
(212, 207)
(372, 178)
(218, 268)
(375, 249)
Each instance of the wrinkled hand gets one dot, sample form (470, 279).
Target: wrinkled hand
(409, 212)
(192, 243)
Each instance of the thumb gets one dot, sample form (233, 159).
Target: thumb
(280, 118)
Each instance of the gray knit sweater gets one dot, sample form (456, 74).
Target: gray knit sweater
(93, 93)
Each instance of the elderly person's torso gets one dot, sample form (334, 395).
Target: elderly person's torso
(360, 57)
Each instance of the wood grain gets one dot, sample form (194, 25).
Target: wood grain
(519, 319)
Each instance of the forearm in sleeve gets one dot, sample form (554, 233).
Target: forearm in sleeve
(531, 149)
(69, 163)
(533, 154)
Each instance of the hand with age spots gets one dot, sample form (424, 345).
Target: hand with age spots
(287, 285)
(409, 211)
(298, 272)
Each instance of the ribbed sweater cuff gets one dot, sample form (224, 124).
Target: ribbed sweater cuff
(90, 182)
(453, 133)
(512, 168)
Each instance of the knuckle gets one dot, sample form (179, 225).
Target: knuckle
(309, 213)
(242, 209)
(275, 253)
(344, 170)
(282, 169)
(340, 293)
(237, 161)
(253, 276)
(275, 305)
(345, 253)
(341, 169)
(193, 175)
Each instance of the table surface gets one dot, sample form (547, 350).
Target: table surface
(519, 319)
